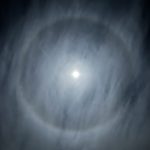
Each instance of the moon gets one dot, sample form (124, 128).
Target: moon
(75, 74)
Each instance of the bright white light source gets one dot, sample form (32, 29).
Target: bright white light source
(75, 74)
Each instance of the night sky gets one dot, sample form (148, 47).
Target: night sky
(74, 75)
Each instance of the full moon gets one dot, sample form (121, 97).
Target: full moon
(75, 74)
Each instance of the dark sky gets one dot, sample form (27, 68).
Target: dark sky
(42, 107)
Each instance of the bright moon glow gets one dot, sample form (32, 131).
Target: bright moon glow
(75, 74)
